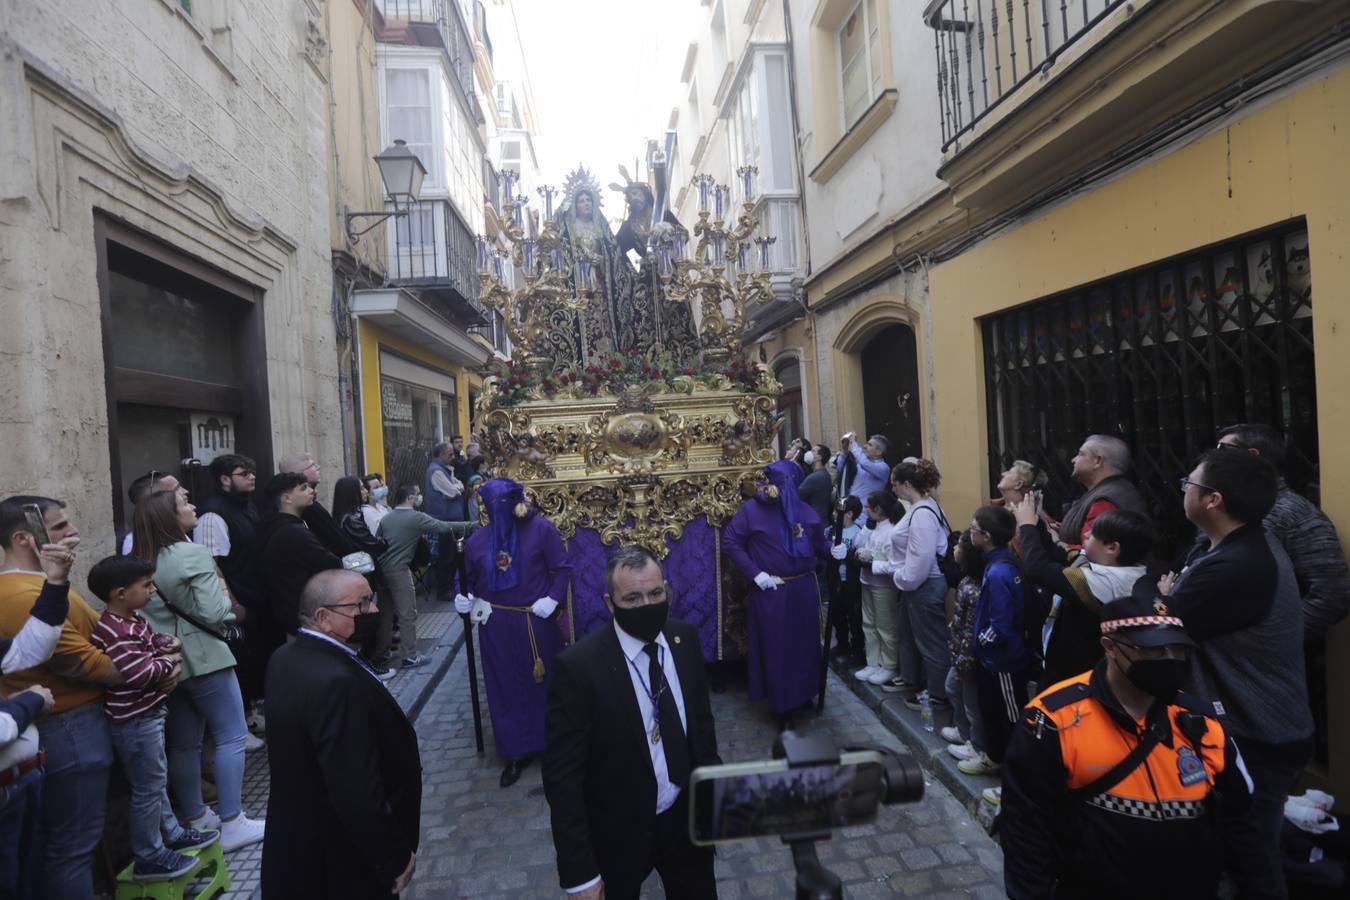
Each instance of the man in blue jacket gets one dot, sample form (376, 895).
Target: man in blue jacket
(1005, 659)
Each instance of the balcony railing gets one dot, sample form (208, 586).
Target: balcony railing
(781, 217)
(431, 248)
(444, 14)
(986, 49)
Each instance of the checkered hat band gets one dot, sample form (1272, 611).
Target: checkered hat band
(1138, 622)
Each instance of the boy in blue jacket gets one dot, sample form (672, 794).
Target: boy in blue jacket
(1005, 660)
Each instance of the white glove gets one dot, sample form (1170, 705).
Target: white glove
(463, 604)
(863, 554)
(480, 612)
(766, 582)
(544, 607)
(839, 551)
(882, 567)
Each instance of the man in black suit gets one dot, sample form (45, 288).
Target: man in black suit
(346, 787)
(628, 719)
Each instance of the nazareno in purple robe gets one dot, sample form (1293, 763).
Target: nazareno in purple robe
(516, 701)
(783, 625)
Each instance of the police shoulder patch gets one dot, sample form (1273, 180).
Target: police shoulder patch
(1197, 704)
(1064, 696)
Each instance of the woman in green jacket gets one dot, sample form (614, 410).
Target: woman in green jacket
(191, 602)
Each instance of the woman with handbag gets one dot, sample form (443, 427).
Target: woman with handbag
(351, 499)
(191, 602)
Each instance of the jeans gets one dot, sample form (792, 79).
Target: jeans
(207, 701)
(20, 807)
(965, 697)
(74, 799)
(878, 619)
(1251, 839)
(139, 743)
(928, 620)
(908, 661)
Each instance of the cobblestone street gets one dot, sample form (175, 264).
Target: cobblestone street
(481, 841)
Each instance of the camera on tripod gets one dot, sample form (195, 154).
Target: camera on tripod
(809, 788)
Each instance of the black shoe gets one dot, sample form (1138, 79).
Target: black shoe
(839, 654)
(511, 774)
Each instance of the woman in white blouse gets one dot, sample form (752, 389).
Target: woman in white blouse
(916, 541)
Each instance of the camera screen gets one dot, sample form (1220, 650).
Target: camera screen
(779, 800)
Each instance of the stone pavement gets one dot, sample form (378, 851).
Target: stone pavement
(482, 841)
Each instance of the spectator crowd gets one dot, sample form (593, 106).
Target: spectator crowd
(1123, 699)
(170, 677)
(1071, 639)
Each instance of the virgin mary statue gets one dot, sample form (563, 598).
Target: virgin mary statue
(592, 335)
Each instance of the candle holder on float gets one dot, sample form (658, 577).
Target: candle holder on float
(549, 285)
(719, 274)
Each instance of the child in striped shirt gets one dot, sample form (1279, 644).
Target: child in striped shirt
(149, 663)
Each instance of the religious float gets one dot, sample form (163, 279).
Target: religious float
(630, 412)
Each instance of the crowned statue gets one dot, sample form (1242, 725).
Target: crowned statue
(591, 335)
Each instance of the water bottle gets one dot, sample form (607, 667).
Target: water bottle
(926, 713)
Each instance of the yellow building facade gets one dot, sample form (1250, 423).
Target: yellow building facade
(1283, 163)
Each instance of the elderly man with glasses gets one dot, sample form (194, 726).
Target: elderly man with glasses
(1118, 757)
(346, 789)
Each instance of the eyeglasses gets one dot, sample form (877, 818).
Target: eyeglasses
(364, 605)
(1186, 482)
(242, 473)
(975, 529)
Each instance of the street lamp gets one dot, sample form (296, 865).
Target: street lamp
(402, 173)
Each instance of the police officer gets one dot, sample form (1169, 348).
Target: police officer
(1112, 777)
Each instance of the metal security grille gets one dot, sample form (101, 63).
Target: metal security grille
(1162, 356)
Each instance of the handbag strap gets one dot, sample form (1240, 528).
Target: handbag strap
(201, 626)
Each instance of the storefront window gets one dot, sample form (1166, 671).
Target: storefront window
(415, 419)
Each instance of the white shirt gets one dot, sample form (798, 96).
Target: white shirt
(666, 793)
(373, 513)
(213, 534)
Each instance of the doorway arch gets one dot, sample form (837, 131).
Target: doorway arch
(878, 386)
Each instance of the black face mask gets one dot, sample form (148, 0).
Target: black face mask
(643, 622)
(364, 627)
(1159, 678)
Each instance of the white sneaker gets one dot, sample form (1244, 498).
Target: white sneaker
(881, 676)
(979, 764)
(255, 720)
(962, 751)
(207, 821)
(240, 832)
(952, 735)
(992, 795)
(865, 673)
(252, 742)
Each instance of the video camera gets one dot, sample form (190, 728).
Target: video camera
(808, 789)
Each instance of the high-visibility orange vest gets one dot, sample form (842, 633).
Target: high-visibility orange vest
(1171, 783)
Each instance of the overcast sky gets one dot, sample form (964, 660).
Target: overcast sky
(605, 75)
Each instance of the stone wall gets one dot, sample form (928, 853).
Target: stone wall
(206, 130)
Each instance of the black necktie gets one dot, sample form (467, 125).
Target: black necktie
(668, 719)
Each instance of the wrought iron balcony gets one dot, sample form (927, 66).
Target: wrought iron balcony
(987, 49)
(432, 250)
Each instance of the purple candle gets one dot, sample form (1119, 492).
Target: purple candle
(747, 174)
(507, 182)
(703, 182)
(529, 249)
(719, 201)
(482, 254)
